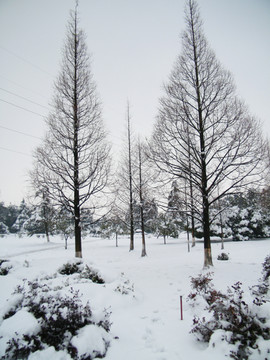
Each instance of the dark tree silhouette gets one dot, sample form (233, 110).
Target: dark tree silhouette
(204, 133)
(73, 162)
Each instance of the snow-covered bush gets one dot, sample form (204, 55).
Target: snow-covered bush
(230, 318)
(5, 267)
(91, 274)
(260, 291)
(125, 287)
(85, 272)
(266, 268)
(3, 229)
(43, 316)
(223, 256)
(203, 288)
(71, 268)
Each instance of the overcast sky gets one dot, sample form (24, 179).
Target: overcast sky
(133, 44)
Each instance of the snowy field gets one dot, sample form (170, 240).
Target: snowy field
(142, 294)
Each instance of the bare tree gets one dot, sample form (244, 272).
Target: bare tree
(73, 162)
(203, 132)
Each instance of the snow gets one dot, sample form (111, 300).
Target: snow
(90, 340)
(142, 294)
(22, 323)
(49, 354)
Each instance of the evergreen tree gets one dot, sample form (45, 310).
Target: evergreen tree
(24, 214)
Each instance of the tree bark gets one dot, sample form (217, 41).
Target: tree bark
(141, 201)
(191, 192)
(130, 185)
(206, 223)
(77, 213)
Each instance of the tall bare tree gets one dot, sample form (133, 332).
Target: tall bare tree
(73, 162)
(204, 133)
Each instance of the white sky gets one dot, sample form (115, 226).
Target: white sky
(134, 44)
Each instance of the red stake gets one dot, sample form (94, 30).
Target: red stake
(181, 307)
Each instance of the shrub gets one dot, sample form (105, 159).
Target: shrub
(85, 271)
(92, 275)
(266, 268)
(260, 291)
(228, 312)
(203, 287)
(61, 318)
(71, 268)
(223, 256)
(5, 267)
(125, 287)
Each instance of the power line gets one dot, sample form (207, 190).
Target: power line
(14, 151)
(23, 87)
(20, 107)
(20, 132)
(24, 98)
(25, 60)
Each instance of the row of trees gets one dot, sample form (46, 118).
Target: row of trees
(239, 217)
(41, 219)
(204, 138)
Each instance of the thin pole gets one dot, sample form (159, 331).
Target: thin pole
(181, 306)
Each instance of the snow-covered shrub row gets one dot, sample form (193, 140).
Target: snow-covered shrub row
(49, 314)
(231, 318)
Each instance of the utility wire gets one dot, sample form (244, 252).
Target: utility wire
(23, 87)
(20, 132)
(14, 151)
(24, 98)
(20, 107)
(25, 60)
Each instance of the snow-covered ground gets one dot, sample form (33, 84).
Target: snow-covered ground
(143, 294)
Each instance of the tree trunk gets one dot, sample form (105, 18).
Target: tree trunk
(187, 222)
(77, 230)
(143, 237)
(206, 229)
(206, 224)
(191, 192)
(45, 217)
(192, 215)
(188, 235)
(222, 233)
(47, 231)
(130, 186)
(77, 212)
(141, 202)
